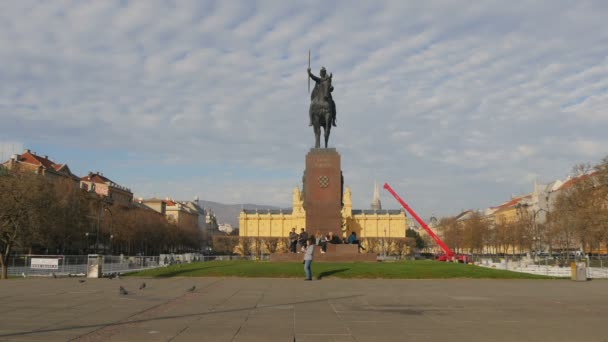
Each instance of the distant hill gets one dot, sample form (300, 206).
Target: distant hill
(229, 213)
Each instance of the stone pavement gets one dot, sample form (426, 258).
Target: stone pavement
(233, 309)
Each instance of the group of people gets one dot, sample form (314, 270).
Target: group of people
(297, 240)
(306, 245)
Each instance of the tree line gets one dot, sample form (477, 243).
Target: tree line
(40, 216)
(576, 218)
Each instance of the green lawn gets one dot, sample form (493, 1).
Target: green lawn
(423, 269)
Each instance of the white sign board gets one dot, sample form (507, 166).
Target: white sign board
(45, 264)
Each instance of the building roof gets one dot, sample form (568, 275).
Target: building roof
(99, 178)
(570, 182)
(288, 211)
(96, 178)
(514, 201)
(31, 158)
(379, 212)
(140, 205)
(464, 215)
(150, 200)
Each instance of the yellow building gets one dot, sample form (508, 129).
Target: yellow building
(374, 223)
(508, 212)
(273, 223)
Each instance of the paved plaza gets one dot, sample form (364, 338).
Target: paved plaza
(232, 309)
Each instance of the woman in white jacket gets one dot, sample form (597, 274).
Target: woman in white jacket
(308, 256)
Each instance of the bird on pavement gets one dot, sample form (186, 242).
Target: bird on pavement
(192, 288)
(23, 274)
(142, 286)
(54, 275)
(123, 291)
(81, 281)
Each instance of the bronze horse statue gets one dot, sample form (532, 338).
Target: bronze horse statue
(322, 107)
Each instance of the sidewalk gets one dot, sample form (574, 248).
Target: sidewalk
(236, 309)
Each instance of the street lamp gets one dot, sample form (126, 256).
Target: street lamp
(111, 239)
(384, 244)
(111, 228)
(87, 243)
(97, 231)
(537, 235)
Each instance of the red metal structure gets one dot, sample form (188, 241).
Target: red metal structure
(448, 253)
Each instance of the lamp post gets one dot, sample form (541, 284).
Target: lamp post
(87, 243)
(111, 239)
(537, 235)
(111, 228)
(384, 244)
(97, 231)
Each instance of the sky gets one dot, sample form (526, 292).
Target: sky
(456, 104)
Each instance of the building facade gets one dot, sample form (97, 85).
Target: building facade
(181, 215)
(41, 165)
(104, 187)
(207, 222)
(365, 223)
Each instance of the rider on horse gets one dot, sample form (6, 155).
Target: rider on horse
(318, 80)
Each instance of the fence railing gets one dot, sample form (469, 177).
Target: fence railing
(596, 266)
(63, 265)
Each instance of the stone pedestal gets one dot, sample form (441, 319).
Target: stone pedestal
(335, 253)
(323, 191)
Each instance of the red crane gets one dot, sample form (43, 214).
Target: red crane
(448, 254)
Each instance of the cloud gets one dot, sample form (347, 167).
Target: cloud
(436, 92)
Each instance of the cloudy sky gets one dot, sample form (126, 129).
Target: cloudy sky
(456, 104)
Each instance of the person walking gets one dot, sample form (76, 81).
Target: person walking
(310, 252)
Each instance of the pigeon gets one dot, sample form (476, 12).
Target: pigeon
(23, 274)
(142, 286)
(54, 275)
(81, 281)
(192, 288)
(123, 291)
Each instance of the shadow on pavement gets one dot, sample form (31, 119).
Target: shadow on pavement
(179, 272)
(332, 272)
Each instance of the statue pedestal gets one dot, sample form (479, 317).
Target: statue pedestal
(323, 191)
(322, 197)
(335, 253)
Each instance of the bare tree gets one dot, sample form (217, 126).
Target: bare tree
(452, 233)
(578, 219)
(476, 232)
(26, 201)
(523, 229)
(65, 228)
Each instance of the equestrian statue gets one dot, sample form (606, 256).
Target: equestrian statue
(322, 110)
